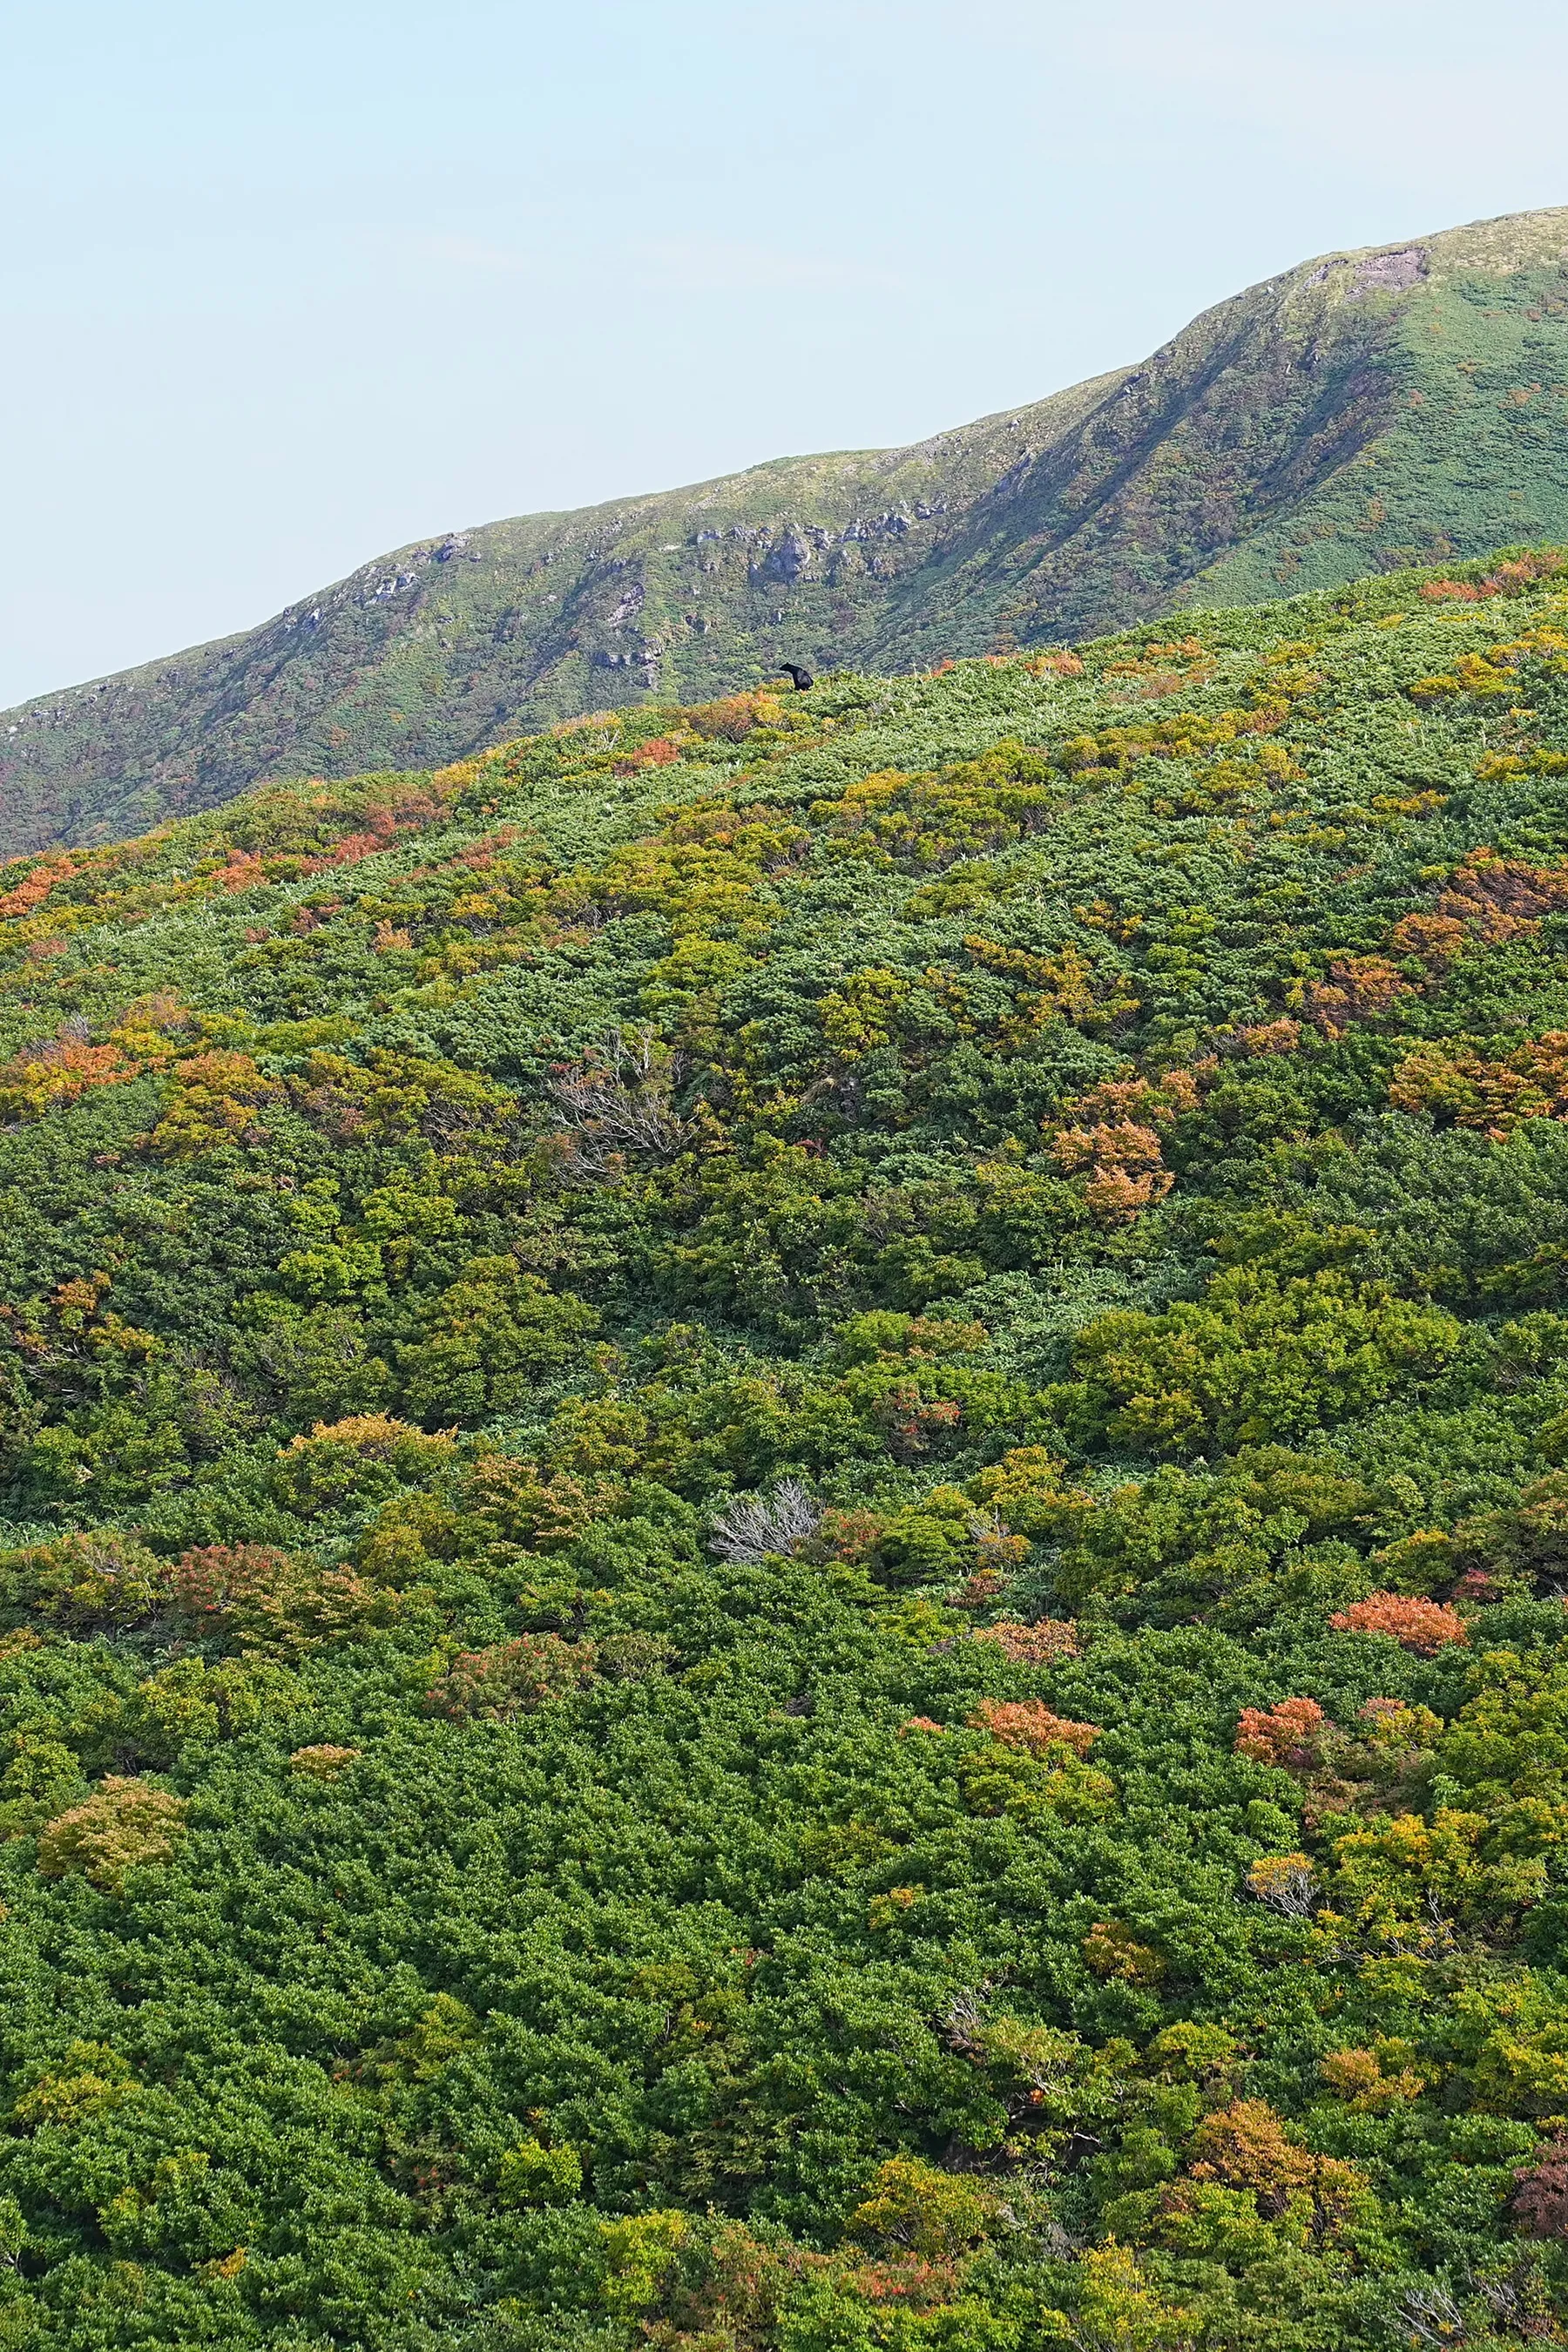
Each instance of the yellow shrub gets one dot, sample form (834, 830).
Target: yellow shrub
(123, 1825)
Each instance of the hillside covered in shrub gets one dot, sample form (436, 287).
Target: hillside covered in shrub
(787, 1494)
(1360, 413)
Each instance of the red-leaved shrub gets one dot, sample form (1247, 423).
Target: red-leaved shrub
(1424, 1625)
(511, 1678)
(1025, 1723)
(1290, 1734)
(1540, 2201)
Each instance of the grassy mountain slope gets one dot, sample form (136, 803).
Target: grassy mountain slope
(787, 1527)
(1367, 410)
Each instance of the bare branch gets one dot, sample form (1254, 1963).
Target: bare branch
(1432, 2316)
(619, 1098)
(751, 1526)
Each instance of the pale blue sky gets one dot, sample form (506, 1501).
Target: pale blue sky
(286, 285)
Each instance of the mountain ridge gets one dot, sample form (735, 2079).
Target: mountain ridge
(1366, 409)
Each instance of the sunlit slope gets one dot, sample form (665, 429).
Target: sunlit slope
(783, 1520)
(1363, 411)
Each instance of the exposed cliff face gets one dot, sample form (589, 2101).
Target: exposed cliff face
(1365, 409)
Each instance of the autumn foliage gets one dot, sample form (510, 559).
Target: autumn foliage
(1029, 1724)
(125, 1824)
(511, 1678)
(1426, 1626)
(1037, 1645)
(1290, 1734)
(683, 1462)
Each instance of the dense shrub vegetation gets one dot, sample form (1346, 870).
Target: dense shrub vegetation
(788, 1510)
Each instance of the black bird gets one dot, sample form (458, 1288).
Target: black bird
(802, 678)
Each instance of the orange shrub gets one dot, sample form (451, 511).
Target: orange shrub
(1123, 1165)
(35, 888)
(658, 753)
(1426, 1626)
(242, 871)
(1358, 988)
(58, 1072)
(909, 1422)
(1281, 1036)
(732, 718)
(1025, 1723)
(1115, 1141)
(1454, 1080)
(1290, 1735)
(272, 1600)
(845, 1535)
(1245, 2146)
(1034, 1646)
(381, 826)
(511, 1678)
(1488, 898)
